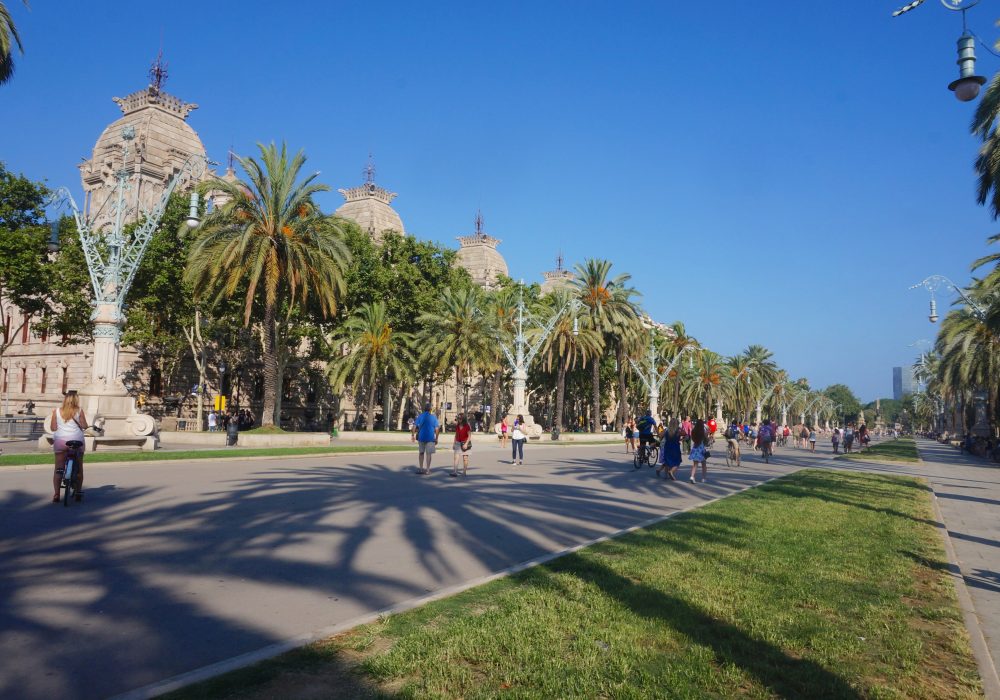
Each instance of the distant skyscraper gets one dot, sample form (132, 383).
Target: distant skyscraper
(902, 382)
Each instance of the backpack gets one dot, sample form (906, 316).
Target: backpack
(765, 432)
(730, 433)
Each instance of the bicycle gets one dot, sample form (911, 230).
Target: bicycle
(731, 456)
(646, 454)
(765, 451)
(70, 476)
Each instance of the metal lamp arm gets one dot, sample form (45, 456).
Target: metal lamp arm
(95, 261)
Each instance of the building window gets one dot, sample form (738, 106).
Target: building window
(42, 391)
(45, 335)
(24, 334)
(65, 380)
(5, 380)
(24, 379)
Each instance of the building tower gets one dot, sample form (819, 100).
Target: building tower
(368, 206)
(478, 254)
(163, 142)
(559, 278)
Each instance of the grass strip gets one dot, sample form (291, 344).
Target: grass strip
(823, 584)
(97, 457)
(897, 450)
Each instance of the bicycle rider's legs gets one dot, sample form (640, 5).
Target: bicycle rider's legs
(734, 445)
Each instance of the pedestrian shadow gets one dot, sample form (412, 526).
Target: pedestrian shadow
(983, 579)
(973, 538)
(972, 499)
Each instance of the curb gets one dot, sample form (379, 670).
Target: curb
(243, 660)
(984, 660)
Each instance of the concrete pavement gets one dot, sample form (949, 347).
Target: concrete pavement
(169, 567)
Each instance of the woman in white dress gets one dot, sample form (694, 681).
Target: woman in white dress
(67, 423)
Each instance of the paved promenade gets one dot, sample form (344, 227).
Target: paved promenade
(169, 567)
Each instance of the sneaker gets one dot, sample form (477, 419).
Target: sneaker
(453, 474)
(691, 480)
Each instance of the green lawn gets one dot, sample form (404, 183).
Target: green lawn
(92, 458)
(899, 450)
(823, 584)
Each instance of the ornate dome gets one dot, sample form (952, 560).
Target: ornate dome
(162, 142)
(478, 254)
(368, 207)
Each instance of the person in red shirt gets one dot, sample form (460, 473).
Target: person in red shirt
(462, 446)
(712, 425)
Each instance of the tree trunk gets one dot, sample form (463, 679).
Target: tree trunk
(495, 398)
(596, 395)
(370, 404)
(622, 389)
(560, 393)
(270, 361)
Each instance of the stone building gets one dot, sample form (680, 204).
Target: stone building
(36, 367)
(369, 206)
(479, 255)
(558, 278)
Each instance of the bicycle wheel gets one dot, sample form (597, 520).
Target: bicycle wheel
(637, 459)
(729, 457)
(767, 454)
(68, 482)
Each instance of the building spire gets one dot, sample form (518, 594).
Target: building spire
(479, 223)
(559, 261)
(158, 73)
(369, 171)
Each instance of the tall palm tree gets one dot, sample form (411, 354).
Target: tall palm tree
(8, 39)
(271, 244)
(565, 346)
(367, 350)
(987, 164)
(458, 335)
(743, 390)
(607, 302)
(501, 305)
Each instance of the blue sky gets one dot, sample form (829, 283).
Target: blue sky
(773, 173)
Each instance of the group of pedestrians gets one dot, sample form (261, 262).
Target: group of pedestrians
(425, 430)
(671, 441)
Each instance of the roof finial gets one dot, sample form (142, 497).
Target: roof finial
(479, 223)
(158, 72)
(559, 261)
(229, 167)
(369, 171)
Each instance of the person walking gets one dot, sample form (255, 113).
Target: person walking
(212, 421)
(517, 440)
(503, 432)
(670, 451)
(848, 438)
(629, 436)
(686, 427)
(812, 439)
(461, 446)
(699, 452)
(425, 433)
(835, 439)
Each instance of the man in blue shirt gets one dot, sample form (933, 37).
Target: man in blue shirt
(647, 436)
(425, 432)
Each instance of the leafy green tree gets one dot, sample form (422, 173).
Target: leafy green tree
(270, 239)
(458, 335)
(850, 406)
(9, 38)
(368, 350)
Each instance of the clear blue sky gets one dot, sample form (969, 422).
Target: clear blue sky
(797, 164)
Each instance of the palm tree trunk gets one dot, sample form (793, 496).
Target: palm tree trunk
(270, 367)
(622, 389)
(495, 398)
(370, 404)
(596, 395)
(560, 393)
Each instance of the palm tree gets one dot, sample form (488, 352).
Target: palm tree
(8, 39)
(630, 339)
(743, 389)
(269, 243)
(459, 335)
(501, 305)
(607, 303)
(370, 351)
(984, 125)
(565, 346)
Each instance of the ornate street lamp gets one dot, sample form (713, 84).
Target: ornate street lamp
(113, 255)
(966, 87)
(652, 377)
(936, 282)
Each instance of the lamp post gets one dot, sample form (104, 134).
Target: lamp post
(935, 282)
(520, 353)
(652, 377)
(966, 86)
(113, 256)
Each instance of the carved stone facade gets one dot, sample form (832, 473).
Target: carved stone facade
(478, 254)
(163, 142)
(368, 206)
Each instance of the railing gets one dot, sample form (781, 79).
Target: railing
(23, 428)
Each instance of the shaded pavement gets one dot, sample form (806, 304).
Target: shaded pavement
(168, 567)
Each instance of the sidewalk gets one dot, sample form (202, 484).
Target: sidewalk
(968, 493)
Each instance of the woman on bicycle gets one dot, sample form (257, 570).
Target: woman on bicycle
(67, 423)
